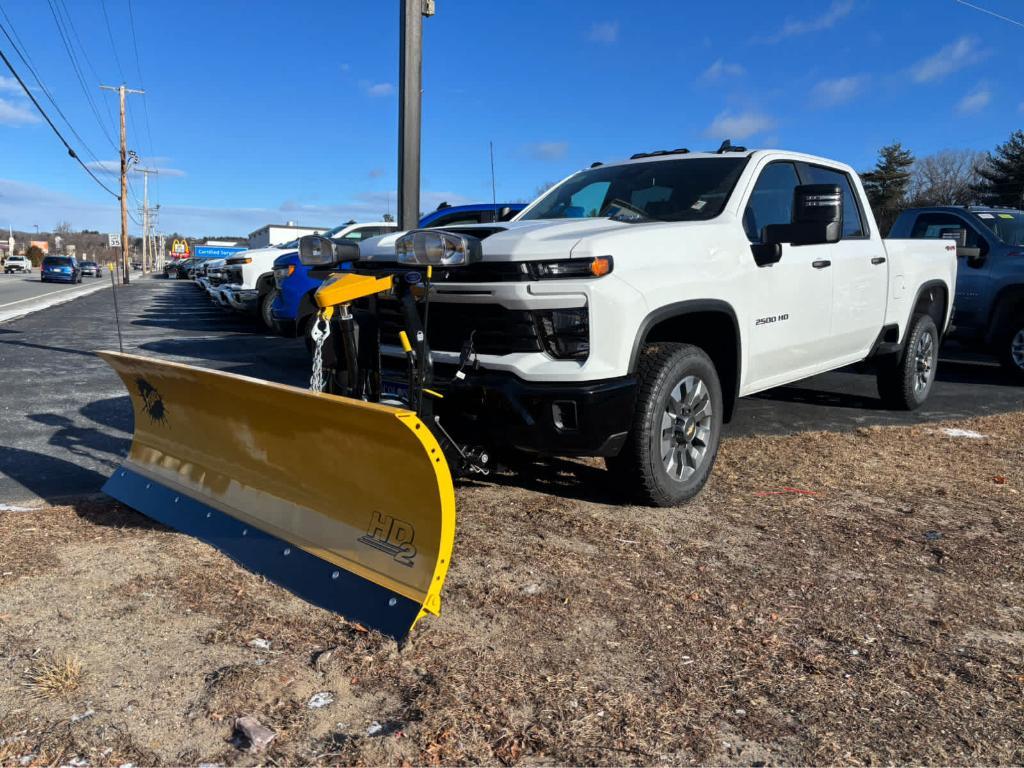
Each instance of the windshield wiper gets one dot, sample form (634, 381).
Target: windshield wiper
(620, 210)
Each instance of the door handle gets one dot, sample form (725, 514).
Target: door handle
(821, 263)
(878, 260)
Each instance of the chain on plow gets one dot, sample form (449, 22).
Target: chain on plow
(319, 333)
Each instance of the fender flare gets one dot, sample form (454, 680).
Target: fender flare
(947, 315)
(690, 307)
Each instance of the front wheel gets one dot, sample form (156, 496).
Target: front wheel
(267, 311)
(676, 428)
(905, 386)
(1010, 347)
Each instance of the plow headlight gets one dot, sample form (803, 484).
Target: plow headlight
(598, 266)
(437, 248)
(320, 251)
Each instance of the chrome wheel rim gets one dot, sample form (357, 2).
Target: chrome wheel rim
(1017, 349)
(924, 362)
(686, 428)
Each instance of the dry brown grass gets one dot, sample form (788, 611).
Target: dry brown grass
(879, 619)
(55, 675)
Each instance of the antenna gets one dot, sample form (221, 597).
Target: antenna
(494, 194)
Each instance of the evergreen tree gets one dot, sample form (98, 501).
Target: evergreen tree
(1002, 174)
(888, 183)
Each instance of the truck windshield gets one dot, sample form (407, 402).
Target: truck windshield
(691, 189)
(1008, 225)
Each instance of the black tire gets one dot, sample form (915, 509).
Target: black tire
(905, 385)
(1009, 340)
(267, 312)
(640, 468)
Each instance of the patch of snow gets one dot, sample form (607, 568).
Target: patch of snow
(321, 700)
(969, 434)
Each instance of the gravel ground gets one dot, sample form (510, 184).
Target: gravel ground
(831, 598)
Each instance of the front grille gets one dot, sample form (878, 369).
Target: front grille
(481, 272)
(233, 274)
(495, 330)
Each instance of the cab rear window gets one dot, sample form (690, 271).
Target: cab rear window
(56, 261)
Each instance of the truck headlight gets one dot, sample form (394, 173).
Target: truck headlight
(565, 332)
(283, 273)
(599, 266)
(437, 248)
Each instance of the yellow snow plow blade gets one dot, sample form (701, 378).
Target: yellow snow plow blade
(347, 504)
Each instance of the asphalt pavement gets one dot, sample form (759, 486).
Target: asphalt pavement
(66, 420)
(21, 294)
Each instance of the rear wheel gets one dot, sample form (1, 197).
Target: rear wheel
(906, 385)
(677, 425)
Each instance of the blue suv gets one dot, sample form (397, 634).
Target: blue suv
(989, 304)
(294, 305)
(63, 269)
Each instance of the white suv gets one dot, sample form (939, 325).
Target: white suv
(17, 264)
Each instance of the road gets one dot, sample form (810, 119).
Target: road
(21, 294)
(65, 419)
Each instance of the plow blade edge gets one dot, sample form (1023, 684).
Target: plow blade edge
(347, 504)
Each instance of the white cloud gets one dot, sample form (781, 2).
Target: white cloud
(380, 89)
(975, 101)
(604, 32)
(738, 126)
(793, 27)
(549, 150)
(721, 69)
(831, 93)
(954, 56)
(9, 84)
(16, 114)
(157, 164)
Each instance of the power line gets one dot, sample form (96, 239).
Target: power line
(991, 13)
(65, 37)
(63, 141)
(142, 82)
(110, 36)
(26, 60)
(85, 54)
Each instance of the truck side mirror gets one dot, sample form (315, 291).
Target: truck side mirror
(817, 217)
(973, 255)
(505, 213)
(320, 251)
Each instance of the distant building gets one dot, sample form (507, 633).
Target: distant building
(272, 234)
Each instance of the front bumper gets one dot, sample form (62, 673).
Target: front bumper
(241, 299)
(496, 409)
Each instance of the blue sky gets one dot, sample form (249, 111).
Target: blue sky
(260, 112)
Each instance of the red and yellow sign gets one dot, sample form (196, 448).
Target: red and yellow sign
(180, 249)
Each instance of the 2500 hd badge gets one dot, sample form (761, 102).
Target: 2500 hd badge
(770, 319)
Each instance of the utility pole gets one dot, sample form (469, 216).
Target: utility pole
(410, 97)
(145, 216)
(125, 266)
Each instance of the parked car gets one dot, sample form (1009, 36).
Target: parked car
(64, 269)
(624, 312)
(92, 268)
(293, 304)
(249, 285)
(177, 269)
(17, 264)
(990, 280)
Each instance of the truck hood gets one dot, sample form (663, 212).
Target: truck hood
(515, 240)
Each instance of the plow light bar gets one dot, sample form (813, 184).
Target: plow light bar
(437, 248)
(320, 251)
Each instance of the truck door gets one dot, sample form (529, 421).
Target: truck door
(791, 300)
(860, 274)
(972, 276)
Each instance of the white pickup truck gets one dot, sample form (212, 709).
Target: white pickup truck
(624, 312)
(249, 276)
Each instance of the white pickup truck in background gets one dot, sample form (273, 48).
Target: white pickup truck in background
(624, 312)
(249, 276)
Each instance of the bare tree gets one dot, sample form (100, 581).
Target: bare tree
(62, 228)
(946, 178)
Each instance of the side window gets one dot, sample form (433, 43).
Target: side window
(454, 219)
(853, 220)
(942, 225)
(771, 202)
